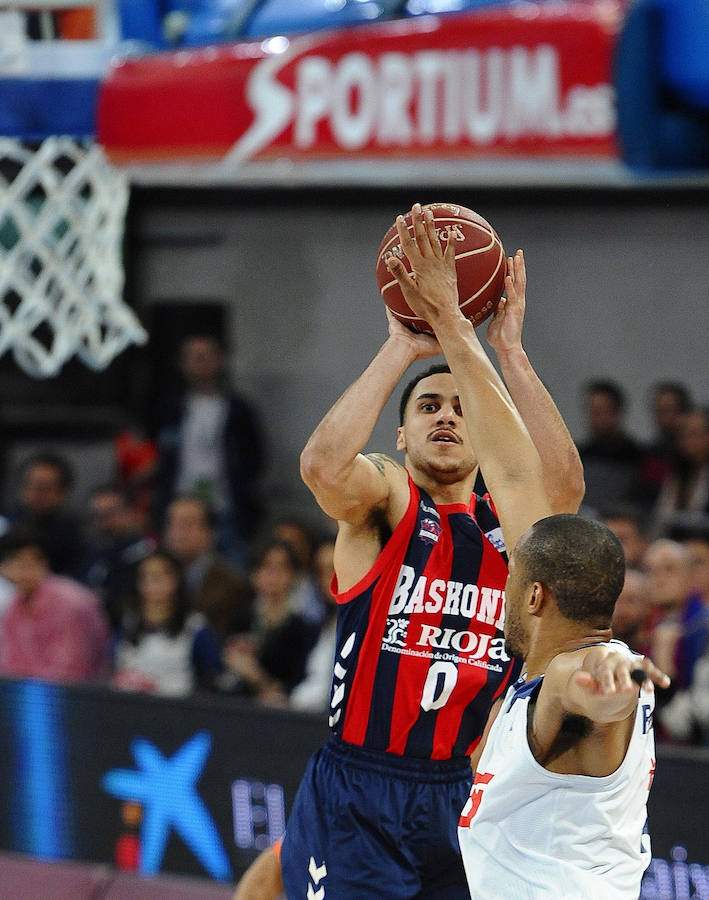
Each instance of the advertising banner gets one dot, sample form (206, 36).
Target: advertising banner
(528, 80)
(149, 785)
(198, 787)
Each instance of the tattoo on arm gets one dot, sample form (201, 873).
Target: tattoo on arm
(381, 460)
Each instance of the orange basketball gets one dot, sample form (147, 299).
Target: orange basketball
(479, 261)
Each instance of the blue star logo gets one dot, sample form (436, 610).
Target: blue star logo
(166, 788)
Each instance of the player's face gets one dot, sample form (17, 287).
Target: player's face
(515, 635)
(433, 434)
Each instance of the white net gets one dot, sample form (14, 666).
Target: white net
(62, 213)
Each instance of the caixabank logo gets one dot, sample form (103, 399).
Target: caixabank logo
(166, 789)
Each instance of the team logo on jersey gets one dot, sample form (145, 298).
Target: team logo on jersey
(430, 531)
(496, 539)
(396, 632)
(431, 510)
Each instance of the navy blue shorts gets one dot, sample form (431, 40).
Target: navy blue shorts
(372, 825)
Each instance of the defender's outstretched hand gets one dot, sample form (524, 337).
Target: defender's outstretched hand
(607, 674)
(431, 290)
(504, 332)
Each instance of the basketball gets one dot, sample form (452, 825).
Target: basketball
(479, 261)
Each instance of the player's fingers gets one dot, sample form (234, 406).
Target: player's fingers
(405, 239)
(402, 275)
(606, 679)
(623, 681)
(392, 320)
(449, 252)
(430, 224)
(510, 289)
(653, 675)
(397, 268)
(520, 271)
(584, 679)
(420, 234)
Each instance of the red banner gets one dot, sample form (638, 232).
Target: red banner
(530, 80)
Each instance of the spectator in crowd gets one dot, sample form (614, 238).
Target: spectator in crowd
(312, 694)
(306, 597)
(7, 591)
(215, 587)
(697, 542)
(669, 402)
(54, 628)
(686, 716)
(269, 661)
(684, 495)
(136, 460)
(679, 620)
(115, 546)
(632, 611)
(625, 523)
(611, 457)
(211, 443)
(46, 480)
(164, 648)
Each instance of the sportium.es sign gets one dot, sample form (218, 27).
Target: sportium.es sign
(527, 80)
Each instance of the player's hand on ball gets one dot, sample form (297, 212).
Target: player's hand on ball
(504, 332)
(431, 289)
(423, 345)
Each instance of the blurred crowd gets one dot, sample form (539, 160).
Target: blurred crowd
(173, 579)
(176, 579)
(655, 496)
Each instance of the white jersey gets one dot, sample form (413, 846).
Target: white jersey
(529, 833)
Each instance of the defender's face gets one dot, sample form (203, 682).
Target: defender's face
(515, 595)
(434, 435)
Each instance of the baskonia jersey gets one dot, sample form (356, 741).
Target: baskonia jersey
(529, 834)
(420, 651)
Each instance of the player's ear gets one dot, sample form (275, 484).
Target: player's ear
(536, 599)
(400, 438)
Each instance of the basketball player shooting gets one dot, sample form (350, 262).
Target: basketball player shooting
(420, 569)
(558, 803)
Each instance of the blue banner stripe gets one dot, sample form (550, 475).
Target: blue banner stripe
(43, 826)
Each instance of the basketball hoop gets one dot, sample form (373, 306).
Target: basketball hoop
(62, 215)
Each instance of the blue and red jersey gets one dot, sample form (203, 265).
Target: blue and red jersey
(420, 652)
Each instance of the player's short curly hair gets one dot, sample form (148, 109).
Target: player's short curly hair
(431, 370)
(580, 561)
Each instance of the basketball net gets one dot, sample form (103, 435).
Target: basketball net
(62, 213)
